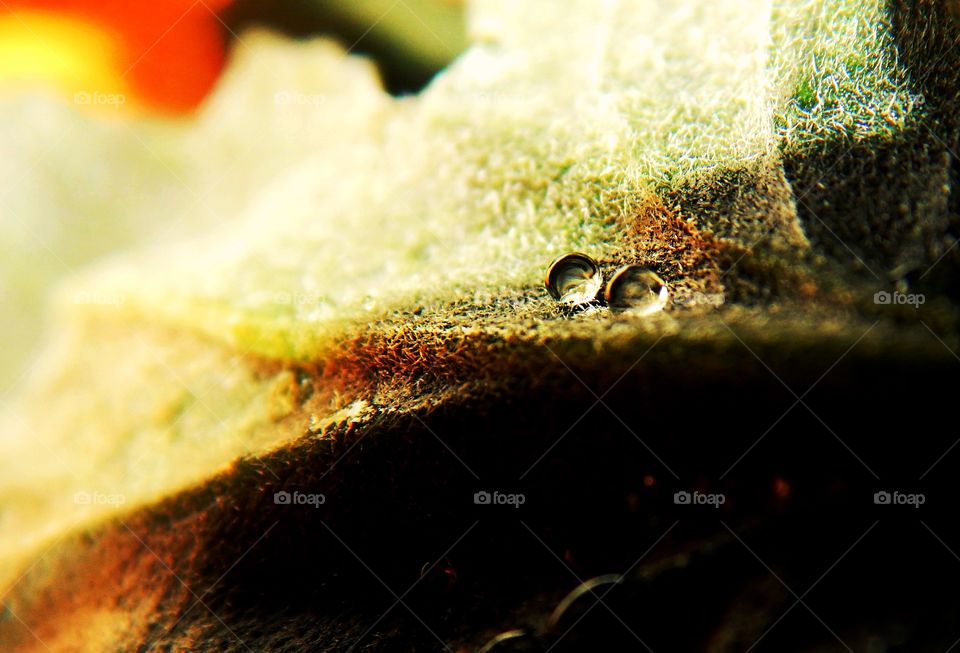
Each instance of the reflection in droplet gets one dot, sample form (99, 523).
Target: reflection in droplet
(512, 640)
(636, 289)
(574, 279)
(580, 600)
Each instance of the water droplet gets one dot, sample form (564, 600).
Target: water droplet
(574, 279)
(636, 289)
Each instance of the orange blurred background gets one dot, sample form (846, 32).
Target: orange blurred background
(164, 55)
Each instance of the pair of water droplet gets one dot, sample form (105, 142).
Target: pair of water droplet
(575, 279)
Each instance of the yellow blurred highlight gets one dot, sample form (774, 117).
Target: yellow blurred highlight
(71, 57)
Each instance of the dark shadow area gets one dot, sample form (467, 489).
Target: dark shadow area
(404, 71)
(401, 519)
(887, 208)
(928, 42)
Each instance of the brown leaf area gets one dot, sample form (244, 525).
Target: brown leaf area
(115, 588)
(596, 418)
(669, 242)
